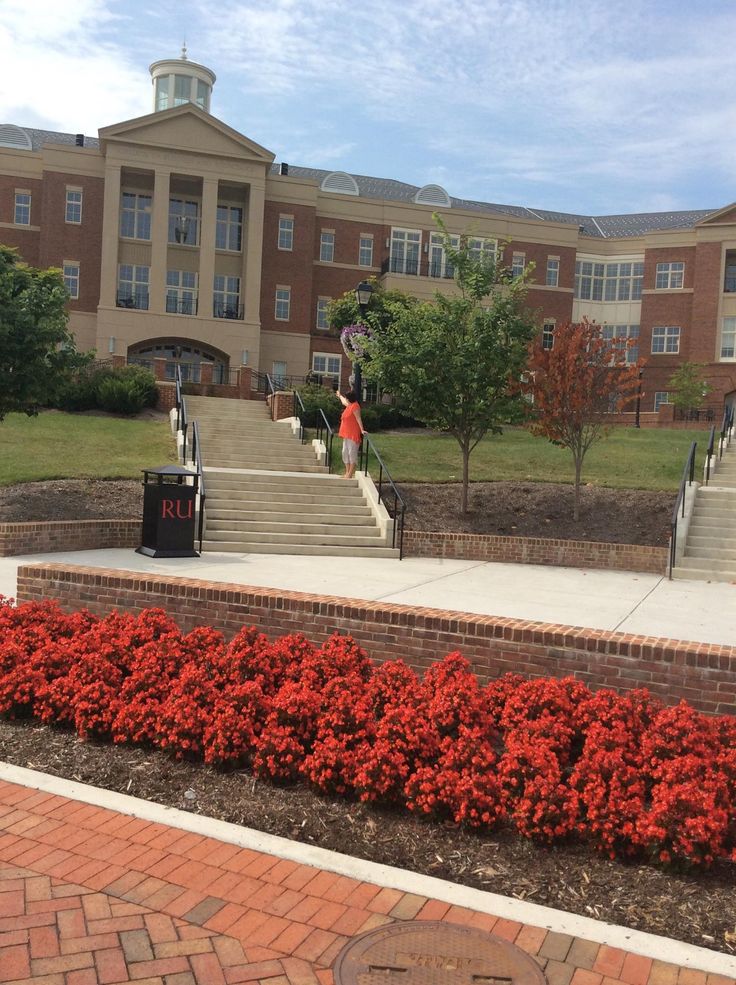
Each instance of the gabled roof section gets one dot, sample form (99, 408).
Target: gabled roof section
(724, 216)
(187, 128)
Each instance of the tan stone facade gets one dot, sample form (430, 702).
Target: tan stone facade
(192, 247)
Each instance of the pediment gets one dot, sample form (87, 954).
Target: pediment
(723, 216)
(186, 128)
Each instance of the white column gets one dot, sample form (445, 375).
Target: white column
(207, 231)
(254, 250)
(159, 241)
(110, 236)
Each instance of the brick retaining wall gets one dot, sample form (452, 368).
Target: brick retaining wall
(704, 674)
(536, 550)
(67, 535)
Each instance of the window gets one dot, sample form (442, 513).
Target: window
(286, 233)
(135, 216)
(70, 270)
(182, 89)
(548, 335)
(183, 221)
(619, 334)
(439, 265)
(203, 91)
(226, 297)
(660, 397)
(326, 365)
(322, 322)
(553, 272)
(669, 276)
(482, 248)
(22, 209)
(283, 303)
(181, 292)
(518, 263)
(327, 246)
(666, 338)
(133, 286)
(608, 281)
(728, 339)
(229, 230)
(278, 373)
(73, 205)
(405, 247)
(365, 251)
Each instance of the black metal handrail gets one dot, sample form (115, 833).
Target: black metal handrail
(709, 453)
(726, 428)
(196, 458)
(221, 309)
(326, 435)
(688, 476)
(181, 411)
(367, 446)
(132, 299)
(708, 412)
(181, 306)
(299, 412)
(270, 391)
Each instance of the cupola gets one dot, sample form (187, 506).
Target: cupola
(177, 81)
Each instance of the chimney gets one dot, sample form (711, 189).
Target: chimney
(284, 169)
(79, 140)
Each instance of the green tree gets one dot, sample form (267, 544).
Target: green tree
(383, 308)
(688, 386)
(455, 364)
(36, 350)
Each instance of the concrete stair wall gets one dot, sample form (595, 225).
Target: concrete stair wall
(710, 544)
(268, 494)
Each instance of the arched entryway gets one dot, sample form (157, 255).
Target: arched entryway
(189, 356)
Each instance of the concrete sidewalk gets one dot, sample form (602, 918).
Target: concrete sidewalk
(649, 605)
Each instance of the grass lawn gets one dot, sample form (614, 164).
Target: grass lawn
(55, 445)
(628, 458)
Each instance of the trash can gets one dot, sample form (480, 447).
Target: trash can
(168, 512)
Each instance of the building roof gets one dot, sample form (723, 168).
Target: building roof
(388, 189)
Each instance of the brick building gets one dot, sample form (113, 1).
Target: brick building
(181, 239)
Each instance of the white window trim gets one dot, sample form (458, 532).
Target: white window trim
(554, 259)
(74, 190)
(322, 328)
(361, 237)
(146, 210)
(322, 234)
(228, 223)
(729, 331)
(516, 257)
(394, 254)
(29, 206)
(667, 332)
(277, 301)
(285, 249)
(659, 403)
(327, 356)
(667, 269)
(71, 263)
(549, 323)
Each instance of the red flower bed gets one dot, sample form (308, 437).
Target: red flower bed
(546, 756)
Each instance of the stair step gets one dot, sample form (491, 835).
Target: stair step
(323, 484)
(296, 549)
(701, 540)
(220, 508)
(360, 540)
(711, 553)
(279, 528)
(701, 574)
(714, 564)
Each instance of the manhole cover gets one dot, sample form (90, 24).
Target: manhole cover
(422, 952)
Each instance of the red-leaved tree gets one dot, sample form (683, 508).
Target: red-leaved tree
(576, 383)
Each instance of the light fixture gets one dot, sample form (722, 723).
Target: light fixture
(363, 293)
(244, 358)
(111, 344)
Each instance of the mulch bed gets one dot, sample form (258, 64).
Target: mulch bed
(520, 509)
(693, 906)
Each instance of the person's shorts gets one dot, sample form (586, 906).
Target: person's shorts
(349, 451)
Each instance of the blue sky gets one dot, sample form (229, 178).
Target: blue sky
(577, 105)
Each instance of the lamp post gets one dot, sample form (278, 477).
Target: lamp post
(363, 293)
(637, 421)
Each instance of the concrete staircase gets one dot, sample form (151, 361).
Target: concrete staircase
(268, 494)
(710, 544)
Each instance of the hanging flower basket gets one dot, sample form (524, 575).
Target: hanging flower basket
(353, 338)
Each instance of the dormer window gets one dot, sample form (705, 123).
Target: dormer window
(340, 183)
(433, 195)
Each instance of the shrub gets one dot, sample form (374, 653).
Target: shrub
(126, 390)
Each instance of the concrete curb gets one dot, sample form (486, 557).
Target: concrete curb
(648, 945)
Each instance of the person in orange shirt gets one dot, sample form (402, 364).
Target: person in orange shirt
(351, 431)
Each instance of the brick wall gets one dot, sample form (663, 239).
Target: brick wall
(536, 550)
(704, 674)
(67, 535)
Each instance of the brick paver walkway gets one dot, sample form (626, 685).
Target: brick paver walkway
(92, 897)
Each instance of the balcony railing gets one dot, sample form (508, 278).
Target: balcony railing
(181, 306)
(132, 299)
(417, 267)
(222, 309)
